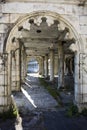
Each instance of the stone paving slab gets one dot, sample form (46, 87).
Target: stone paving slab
(46, 119)
(34, 97)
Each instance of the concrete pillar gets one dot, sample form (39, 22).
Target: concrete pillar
(9, 78)
(80, 80)
(56, 65)
(61, 66)
(25, 64)
(40, 66)
(46, 66)
(43, 66)
(5, 82)
(9, 72)
(13, 74)
(22, 66)
(18, 69)
(51, 65)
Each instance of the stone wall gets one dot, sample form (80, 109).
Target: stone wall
(76, 16)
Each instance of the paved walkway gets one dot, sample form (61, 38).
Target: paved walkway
(38, 110)
(34, 96)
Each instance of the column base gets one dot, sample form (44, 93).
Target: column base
(61, 88)
(80, 106)
(47, 77)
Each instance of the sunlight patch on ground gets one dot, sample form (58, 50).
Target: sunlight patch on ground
(27, 79)
(28, 85)
(33, 74)
(28, 97)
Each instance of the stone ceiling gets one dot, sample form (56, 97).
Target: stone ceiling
(38, 37)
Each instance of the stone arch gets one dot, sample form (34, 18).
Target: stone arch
(34, 59)
(79, 41)
(78, 45)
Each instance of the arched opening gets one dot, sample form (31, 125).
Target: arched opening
(44, 35)
(33, 66)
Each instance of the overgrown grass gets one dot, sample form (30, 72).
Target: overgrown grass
(52, 90)
(72, 111)
(10, 114)
(84, 112)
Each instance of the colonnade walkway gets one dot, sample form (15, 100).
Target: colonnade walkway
(40, 111)
(33, 96)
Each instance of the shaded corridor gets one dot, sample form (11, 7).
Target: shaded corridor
(33, 96)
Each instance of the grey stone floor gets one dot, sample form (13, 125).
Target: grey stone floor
(33, 96)
(38, 110)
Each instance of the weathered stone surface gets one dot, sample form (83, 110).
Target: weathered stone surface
(30, 7)
(34, 96)
(83, 30)
(83, 20)
(72, 14)
(3, 101)
(3, 28)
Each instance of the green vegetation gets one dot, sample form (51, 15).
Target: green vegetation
(84, 112)
(52, 90)
(11, 113)
(72, 111)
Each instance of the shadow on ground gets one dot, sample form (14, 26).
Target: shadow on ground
(46, 118)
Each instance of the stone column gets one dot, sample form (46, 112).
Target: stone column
(40, 70)
(61, 66)
(40, 66)
(51, 65)
(46, 66)
(56, 65)
(18, 69)
(13, 82)
(9, 78)
(5, 82)
(80, 80)
(22, 66)
(43, 66)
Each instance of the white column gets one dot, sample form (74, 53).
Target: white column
(61, 66)
(25, 64)
(13, 82)
(46, 66)
(40, 66)
(5, 81)
(18, 70)
(9, 78)
(51, 65)
(22, 66)
(43, 66)
(80, 80)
